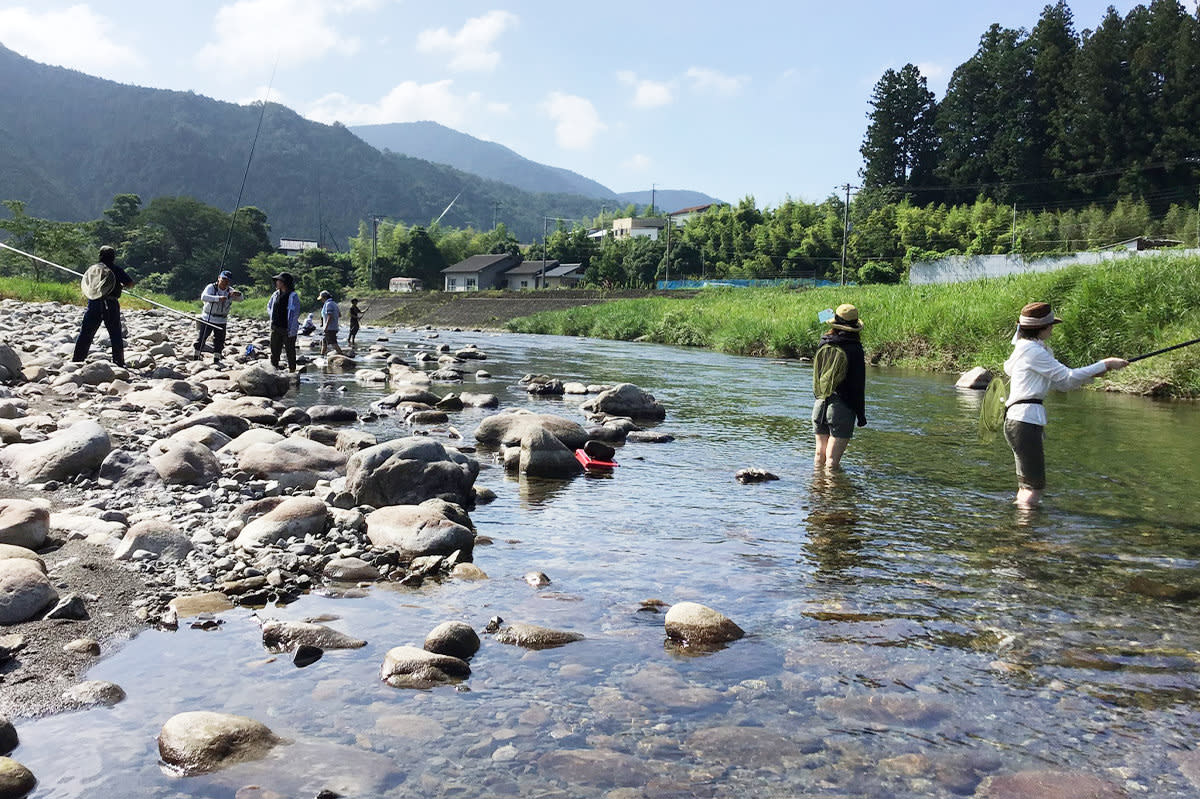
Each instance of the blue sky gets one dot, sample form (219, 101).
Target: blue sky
(767, 99)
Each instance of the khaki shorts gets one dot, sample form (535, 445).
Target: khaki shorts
(833, 417)
(1029, 452)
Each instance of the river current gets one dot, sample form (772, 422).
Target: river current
(909, 633)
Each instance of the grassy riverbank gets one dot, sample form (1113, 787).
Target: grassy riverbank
(1121, 308)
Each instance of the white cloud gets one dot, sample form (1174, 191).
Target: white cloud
(710, 81)
(576, 122)
(472, 47)
(407, 102)
(75, 37)
(637, 163)
(647, 93)
(253, 34)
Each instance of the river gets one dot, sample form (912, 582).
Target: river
(909, 633)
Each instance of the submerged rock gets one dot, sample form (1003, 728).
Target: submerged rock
(977, 378)
(409, 667)
(692, 623)
(284, 636)
(201, 741)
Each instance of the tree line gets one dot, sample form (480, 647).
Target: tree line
(1049, 116)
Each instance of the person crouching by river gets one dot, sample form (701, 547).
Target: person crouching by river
(283, 309)
(1034, 370)
(217, 298)
(839, 383)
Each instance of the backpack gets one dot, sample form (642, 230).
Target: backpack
(98, 281)
(829, 370)
(992, 409)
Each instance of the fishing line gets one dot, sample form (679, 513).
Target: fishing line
(246, 174)
(130, 293)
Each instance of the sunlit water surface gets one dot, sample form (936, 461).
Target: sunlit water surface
(909, 632)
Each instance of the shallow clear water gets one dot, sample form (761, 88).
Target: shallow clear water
(909, 632)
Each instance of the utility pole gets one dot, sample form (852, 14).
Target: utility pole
(653, 186)
(374, 250)
(667, 279)
(495, 208)
(845, 229)
(1013, 249)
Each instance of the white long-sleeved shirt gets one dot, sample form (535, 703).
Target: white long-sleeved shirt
(216, 303)
(1034, 370)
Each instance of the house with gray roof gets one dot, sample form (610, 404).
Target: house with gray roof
(528, 274)
(563, 276)
(479, 272)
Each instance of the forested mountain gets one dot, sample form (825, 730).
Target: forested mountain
(70, 142)
(1050, 117)
(443, 145)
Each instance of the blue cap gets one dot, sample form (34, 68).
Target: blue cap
(226, 274)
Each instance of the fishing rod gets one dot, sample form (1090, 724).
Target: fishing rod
(253, 144)
(130, 293)
(1164, 349)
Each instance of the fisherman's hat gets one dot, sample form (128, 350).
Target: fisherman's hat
(1036, 315)
(846, 318)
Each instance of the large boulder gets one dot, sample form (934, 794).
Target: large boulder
(294, 462)
(410, 667)
(185, 462)
(15, 779)
(256, 435)
(626, 399)
(407, 471)
(976, 378)
(124, 468)
(510, 427)
(284, 636)
(455, 638)
(332, 414)
(256, 410)
(166, 394)
(79, 449)
(24, 523)
(259, 381)
(531, 636)
(210, 437)
(10, 363)
(200, 741)
(157, 536)
(295, 517)
(229, 424)
(25, 591)
(434, 527)
(691, 623)
(543, 455)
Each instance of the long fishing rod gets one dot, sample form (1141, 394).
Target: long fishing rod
(1164, 349)
(130, 293)
(253, 144)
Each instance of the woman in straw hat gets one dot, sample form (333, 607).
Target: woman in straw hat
(834, 415)
(1034, 370)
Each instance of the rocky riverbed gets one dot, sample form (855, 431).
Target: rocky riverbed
(167, 491)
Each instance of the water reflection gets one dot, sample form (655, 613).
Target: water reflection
(834, 539)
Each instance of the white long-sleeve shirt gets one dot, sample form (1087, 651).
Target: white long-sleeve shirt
(1034, 370)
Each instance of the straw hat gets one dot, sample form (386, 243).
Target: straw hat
(846, 318)
(1037, 315)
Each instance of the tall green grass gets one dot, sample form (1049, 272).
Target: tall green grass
(1119, 308)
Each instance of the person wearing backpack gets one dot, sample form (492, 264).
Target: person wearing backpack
(1034, 370)
(101, 285)
(839, 385)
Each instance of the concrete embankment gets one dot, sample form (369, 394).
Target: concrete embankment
(488, 310)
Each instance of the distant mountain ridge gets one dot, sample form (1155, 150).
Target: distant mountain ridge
(431, 141)
(69, 142)
(442, 145)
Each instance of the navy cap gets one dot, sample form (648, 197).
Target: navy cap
(226, 274)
